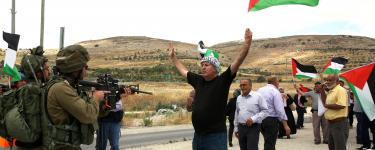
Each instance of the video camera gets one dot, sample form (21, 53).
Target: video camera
(105, 82)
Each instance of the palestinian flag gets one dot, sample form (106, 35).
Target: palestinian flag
(335, 65)
(362, 83)
(255, 5)
(303, 71)
(10, 56)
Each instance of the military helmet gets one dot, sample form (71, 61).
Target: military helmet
(36, 63)
(72, 58)
(36, 60)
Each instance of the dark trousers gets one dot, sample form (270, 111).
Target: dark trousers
(300, 118)
(365, 125)
(338, 133)
(269, 129)
(108, 131)
(358, 115)
(351, 114)
(230, 131)
(249, 136)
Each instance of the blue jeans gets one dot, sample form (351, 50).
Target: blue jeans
(108, 131)
(210, 141)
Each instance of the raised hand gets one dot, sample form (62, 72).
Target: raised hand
(172, 53)
(248, 36)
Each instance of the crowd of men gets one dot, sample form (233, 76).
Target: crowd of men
(267, 110)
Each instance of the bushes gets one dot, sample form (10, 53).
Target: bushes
(261, 79)
(158, 73)
(147, 122)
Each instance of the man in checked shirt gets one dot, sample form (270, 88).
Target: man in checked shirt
(251, 109)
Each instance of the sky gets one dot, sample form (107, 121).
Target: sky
(212, 21)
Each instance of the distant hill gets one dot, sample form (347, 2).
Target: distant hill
(144, 58)
(273, 56)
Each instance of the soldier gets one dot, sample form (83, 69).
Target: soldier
(36, 72)
(70, 117)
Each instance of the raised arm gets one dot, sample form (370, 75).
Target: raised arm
(180, 67)
(242, 55)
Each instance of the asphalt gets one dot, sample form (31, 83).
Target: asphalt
(302, 140)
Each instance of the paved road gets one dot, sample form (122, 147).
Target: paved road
(303, 140)
(151, 138)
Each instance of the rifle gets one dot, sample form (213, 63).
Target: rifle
(105, 82)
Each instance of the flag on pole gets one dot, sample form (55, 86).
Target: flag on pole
(255, 5)
(10, 56)
(335, 65)
(362, 83)
(303, 71)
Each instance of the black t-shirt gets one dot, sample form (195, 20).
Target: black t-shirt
(210, 100)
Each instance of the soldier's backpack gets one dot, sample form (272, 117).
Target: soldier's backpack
(20, 114)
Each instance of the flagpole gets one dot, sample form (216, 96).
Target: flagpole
(286, 68)
(13, 29)
(13, 12)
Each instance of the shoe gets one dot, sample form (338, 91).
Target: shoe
(317, 142)
(325, 142)
(288, 137)
(230, 145)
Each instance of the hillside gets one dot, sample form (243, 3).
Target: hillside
(134, 58)
(274, 55)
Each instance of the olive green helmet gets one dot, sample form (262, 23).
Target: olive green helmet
(72, 58)
(36, 60)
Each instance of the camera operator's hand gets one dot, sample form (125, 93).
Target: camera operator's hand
(99, 95)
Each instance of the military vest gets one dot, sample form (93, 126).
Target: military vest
(70, 135)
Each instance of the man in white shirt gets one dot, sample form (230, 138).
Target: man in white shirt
(251, 109)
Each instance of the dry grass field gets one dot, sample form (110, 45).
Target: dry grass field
(171, 93)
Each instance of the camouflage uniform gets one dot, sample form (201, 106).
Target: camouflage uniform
(66, 106)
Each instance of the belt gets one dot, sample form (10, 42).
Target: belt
(337, 120)
(244, 124)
